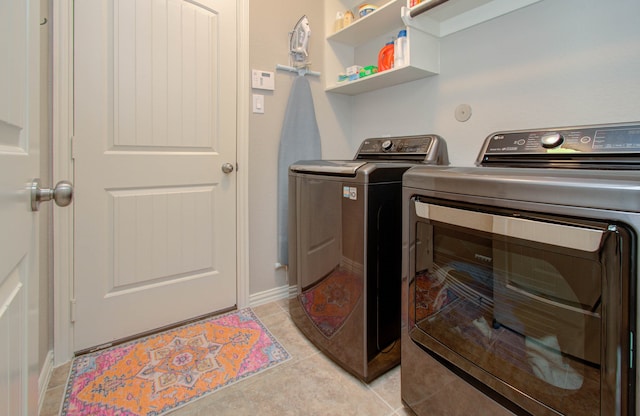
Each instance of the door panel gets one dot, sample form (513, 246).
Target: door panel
(19, 164)
(154, 214)
(165, 64)
(153, 246)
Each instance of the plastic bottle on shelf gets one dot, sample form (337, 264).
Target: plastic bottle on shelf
(339, 23)
(400, 49)
(385, 57)
(348, 18)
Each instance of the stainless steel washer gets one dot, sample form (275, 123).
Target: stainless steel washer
(345, 250)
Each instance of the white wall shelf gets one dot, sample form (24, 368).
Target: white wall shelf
(380, 80)
(358, 43)
(456, 15)
(384, 19)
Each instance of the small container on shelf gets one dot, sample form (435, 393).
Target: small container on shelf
(353, 72)
(348, 18)
(339, 23)
(385, 57)
(368, 70)
(400, 50)
(365, 9)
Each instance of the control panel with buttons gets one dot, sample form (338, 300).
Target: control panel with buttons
(612, 139)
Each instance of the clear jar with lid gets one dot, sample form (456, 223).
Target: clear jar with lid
(339, 23)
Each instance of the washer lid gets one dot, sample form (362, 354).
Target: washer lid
(331, 167)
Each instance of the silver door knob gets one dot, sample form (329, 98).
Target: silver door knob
(62, 194)
(227, 168)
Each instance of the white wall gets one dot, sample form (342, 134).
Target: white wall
(270, 24)
(554, 63)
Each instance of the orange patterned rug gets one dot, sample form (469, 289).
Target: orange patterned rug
(161, 372)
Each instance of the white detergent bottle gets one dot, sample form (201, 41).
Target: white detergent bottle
(400, 50)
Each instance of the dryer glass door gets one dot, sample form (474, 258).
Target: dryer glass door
(534, 305)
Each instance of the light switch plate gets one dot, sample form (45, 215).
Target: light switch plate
(263, 80)
(258, 103)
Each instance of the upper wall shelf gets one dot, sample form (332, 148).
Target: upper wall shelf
(359, 43)
(384, 19)
(455, 15)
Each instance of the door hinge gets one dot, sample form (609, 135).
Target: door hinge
(72, 311)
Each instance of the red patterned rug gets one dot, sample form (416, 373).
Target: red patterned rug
(432, 293)
(161, 372)
(330, 302)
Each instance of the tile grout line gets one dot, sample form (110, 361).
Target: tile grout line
(392, 410)
(380, 397)
(282, 308)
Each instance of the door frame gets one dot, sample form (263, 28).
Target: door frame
(62, 117)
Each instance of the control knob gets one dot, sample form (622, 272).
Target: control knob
(551, 140)
(387, 145)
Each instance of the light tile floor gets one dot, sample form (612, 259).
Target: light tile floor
(308, 384)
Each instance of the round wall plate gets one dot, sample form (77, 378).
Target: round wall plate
(463, 112)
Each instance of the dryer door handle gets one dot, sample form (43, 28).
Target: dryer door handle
(577, 238)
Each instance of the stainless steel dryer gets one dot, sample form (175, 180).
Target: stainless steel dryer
(345, 250)
(521, 275)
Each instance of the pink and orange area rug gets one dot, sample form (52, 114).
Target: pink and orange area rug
(164, 371)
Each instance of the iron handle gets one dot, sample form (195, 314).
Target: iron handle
(62, 194)
(227, 168)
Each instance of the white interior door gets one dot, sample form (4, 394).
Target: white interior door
(155, 121)
(19, 164)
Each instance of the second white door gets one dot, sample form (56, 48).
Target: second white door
(19, 226)
(155, 121)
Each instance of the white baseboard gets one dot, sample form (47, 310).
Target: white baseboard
(45, 376)
(271, 295)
